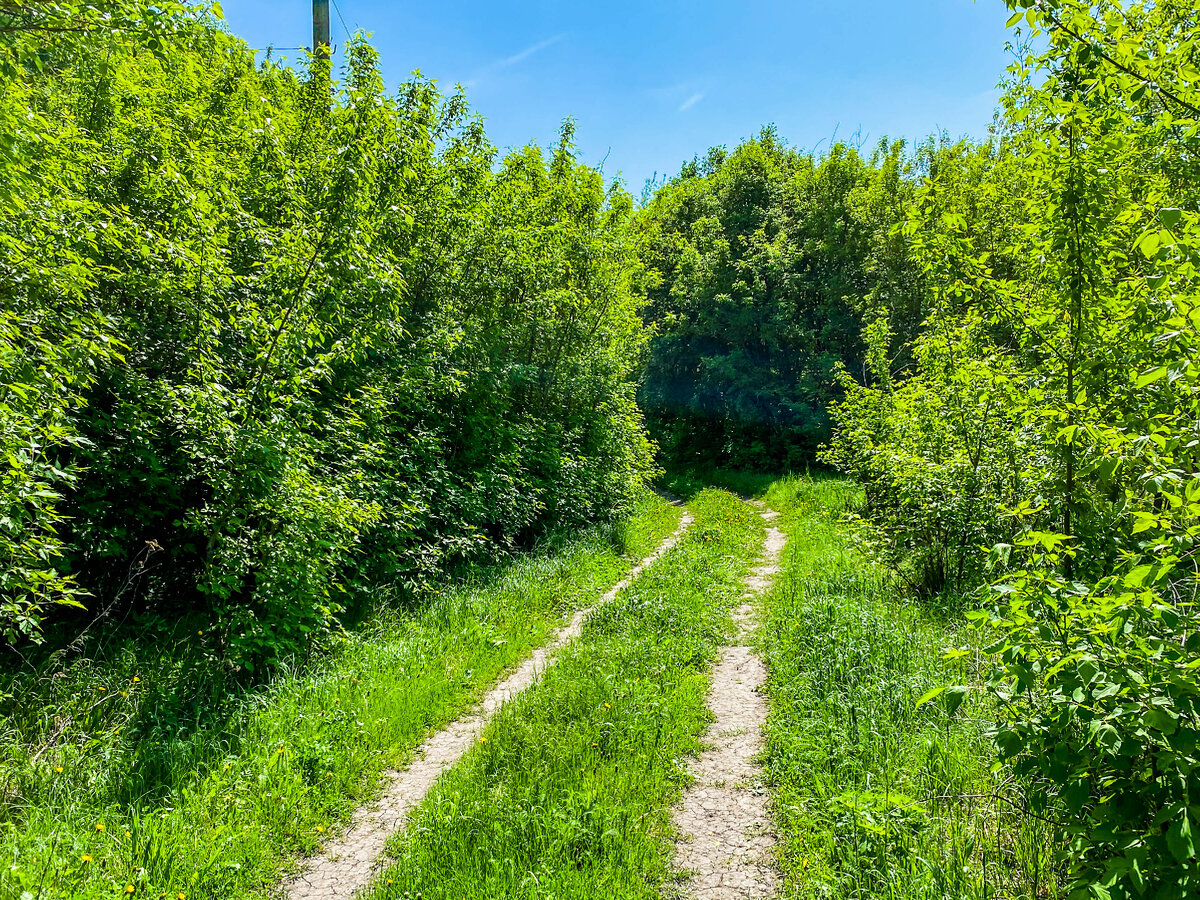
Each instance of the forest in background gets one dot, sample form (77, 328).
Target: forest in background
(256, 370)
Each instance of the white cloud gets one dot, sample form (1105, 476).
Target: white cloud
(484, 75)
(691, 101)
(527, 52)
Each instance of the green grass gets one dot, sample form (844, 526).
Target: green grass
(686, 483)
(140, 768)
(569, 793)
(874, 796)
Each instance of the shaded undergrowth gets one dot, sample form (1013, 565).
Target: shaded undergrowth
(139, 769)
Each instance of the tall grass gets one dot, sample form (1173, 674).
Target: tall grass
(137, 769)
(568, 794)
(875, 796)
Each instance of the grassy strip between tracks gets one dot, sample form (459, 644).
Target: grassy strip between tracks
(568, 793)
(874, 796)
(137, 775)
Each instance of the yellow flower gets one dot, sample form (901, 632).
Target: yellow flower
(100, 687)
(87, 858)
(129, 889)
(58, 769)
(608, 706)
(136, 679)
(124, 693)
(180, 896)
(482, 740)
(99, 826)
(127, 834)
(320, 829)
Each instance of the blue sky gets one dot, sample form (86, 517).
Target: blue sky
(652, 84)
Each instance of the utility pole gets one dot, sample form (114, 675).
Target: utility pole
(321, 46)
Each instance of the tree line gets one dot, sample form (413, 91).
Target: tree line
(276, 341)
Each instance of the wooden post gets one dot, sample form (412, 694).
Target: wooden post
(321, 45)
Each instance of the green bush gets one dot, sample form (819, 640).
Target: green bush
(272, 341)
(1051, 416)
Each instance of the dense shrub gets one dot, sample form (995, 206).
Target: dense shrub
(272, 342)
(1051, 414)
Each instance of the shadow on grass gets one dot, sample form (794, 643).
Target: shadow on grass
(146, 705)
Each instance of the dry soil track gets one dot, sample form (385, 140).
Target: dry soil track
(724, 823)
(350, 862)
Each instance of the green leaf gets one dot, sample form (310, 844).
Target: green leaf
(1179, 839)
(1138, 576)
(1161, 720)
(1170, 217)
(930, 695)
(955, 696)
(1153, 375)
(1148, 244)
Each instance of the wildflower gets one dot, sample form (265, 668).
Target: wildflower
(136, 679)
(87, 857)
(129, 889)
(100, 687)
(279, 751)
(99, 826)
(124, 693)
(180, 896)
(127, 834)
(58, 769)
(482, 740)
(320, 829)
(608, 706)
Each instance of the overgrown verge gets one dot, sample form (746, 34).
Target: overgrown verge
(568, 792)
(141, 769)
(1045, 438)
(877, 793)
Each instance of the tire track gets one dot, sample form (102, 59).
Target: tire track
(724, 823)
(351, 861)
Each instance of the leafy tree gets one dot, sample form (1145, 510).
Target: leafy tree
(764, 263)
(274, 343)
